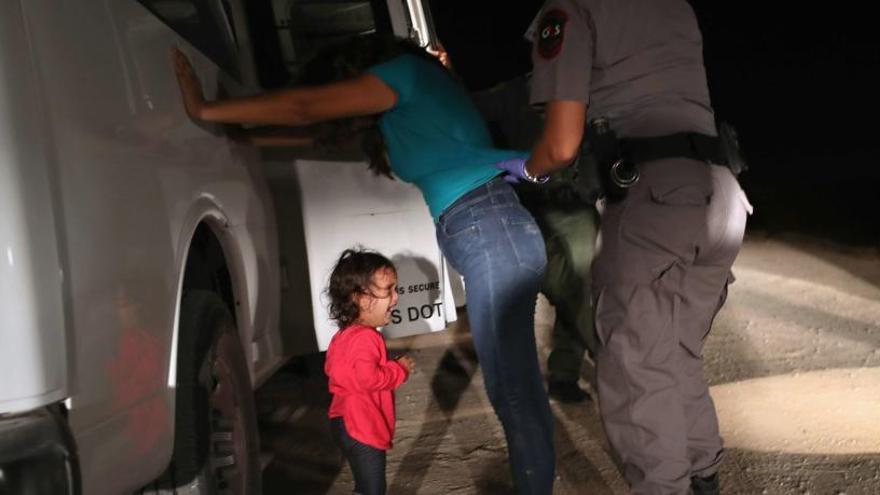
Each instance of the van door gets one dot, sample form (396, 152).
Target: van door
(328, 201)
(412, 19)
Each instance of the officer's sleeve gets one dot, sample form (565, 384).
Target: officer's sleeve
(399, 74)
(563, 44)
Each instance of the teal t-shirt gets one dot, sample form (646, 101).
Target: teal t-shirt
(435, 136)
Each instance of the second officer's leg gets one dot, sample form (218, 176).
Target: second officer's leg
(570, 235)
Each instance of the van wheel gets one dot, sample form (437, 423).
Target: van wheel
(216, 442)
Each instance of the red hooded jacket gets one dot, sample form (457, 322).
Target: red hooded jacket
(362, 380)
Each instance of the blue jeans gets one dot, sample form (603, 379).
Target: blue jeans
(488, 237)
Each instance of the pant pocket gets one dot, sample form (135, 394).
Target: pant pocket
(686, 194)
(459, 238)
(457, 223)
(693, 342)
(526, 239)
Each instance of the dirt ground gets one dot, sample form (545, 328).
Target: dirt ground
(793, 360)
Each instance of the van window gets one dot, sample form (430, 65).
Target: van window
(205, 24)
(307, 26)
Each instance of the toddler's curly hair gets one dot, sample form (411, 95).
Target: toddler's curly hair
(352, 275)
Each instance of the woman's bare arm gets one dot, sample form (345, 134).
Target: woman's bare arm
(362, 95)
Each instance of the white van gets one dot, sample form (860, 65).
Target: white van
(145, 285)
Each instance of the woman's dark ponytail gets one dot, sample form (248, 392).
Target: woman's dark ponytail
(350, 59)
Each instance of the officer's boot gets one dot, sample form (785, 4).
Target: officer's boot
(566, 391)
(705, 486)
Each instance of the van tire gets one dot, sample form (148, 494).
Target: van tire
(216, 441)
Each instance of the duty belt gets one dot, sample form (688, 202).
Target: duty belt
(617, 160)
(681, 145)
(623, 173)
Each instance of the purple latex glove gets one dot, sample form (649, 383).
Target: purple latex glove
(516, 171)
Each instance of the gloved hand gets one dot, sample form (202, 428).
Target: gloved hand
(516, 171)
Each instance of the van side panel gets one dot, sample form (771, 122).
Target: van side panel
(133, 173)
(33, 360)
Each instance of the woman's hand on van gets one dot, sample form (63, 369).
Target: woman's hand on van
(190, 86)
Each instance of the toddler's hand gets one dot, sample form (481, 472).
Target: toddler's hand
(408, 363)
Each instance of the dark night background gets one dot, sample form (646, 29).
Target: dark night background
(800, 84)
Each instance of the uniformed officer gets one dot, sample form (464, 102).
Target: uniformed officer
(568, 221)
(666, 248)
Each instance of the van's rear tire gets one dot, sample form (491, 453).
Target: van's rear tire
(216, 441)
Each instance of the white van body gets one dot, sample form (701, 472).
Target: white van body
(108, 193)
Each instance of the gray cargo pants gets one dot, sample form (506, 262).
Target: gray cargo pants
(659, 278)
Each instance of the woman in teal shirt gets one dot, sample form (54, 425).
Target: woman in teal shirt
(436, 139)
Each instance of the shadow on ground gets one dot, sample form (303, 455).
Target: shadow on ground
(292, 410)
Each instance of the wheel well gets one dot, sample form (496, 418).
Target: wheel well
(206, 267)
(206, 271)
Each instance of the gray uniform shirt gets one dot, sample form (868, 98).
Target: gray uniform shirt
(638, 63)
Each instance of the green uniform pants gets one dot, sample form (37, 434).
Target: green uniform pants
(570, 235)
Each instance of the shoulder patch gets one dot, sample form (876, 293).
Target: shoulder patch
(551, 33)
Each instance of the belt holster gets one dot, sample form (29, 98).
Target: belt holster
(616, 171)
(618, 158)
